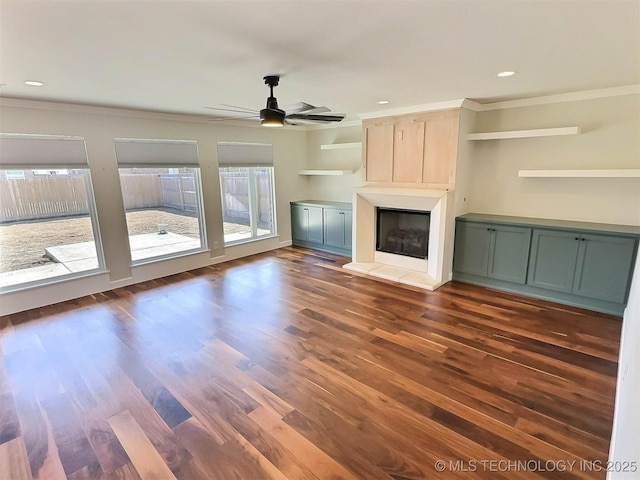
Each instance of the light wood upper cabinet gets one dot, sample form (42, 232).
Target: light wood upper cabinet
(378, 153)
(417, 150)
(408, 152)
(441, 150)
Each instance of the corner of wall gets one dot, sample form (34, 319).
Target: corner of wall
(464, 164)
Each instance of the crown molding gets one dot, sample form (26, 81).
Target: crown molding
(9, 102)
(427, 107)
(560, 98)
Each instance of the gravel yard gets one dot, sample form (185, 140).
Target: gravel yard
(22, 244)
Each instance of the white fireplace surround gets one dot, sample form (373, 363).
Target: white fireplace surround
(428, 274)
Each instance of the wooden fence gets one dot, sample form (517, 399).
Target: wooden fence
(179, 191)
(235, 198)
(50, 196)
(141, 191)
(42, 197)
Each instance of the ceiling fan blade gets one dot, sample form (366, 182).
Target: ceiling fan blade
(255, 112)
(236, 107)
(303, 107)
(220, 119)
(316, 110)
(317, 118)
(298, 107)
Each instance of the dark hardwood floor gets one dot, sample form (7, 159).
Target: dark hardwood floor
(286, 366)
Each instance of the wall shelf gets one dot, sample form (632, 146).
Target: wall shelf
(325, 172)
(616, 173)
(339, 146)
(542, 132)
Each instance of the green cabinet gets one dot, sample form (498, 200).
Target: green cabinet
(577, 263)
(306, 223)
(322, 225)
(493, 251)
(589, 265)
(553, 260)
(337, 228)
(472, 248)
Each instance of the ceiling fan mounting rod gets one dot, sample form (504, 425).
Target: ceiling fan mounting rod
(272, 81)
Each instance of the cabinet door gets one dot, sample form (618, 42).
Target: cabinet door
(471, 254)
(509, 253)
(348, 229)
(553, 260)
(379, 153)
(299, 222)
(314, 226)
(604, 267)
(440, 150)
(334, 227)
(408, 148)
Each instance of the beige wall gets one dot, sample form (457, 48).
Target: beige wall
(334, 188)
(609, 140)
(99, 127)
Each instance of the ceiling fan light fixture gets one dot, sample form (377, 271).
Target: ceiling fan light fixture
(272, 118)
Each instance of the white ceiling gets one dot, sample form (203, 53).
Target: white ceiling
(178, 56)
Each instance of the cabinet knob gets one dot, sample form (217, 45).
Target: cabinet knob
(488, 229)
(583, 239)
(577, 238)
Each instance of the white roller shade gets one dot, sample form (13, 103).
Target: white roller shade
(234, 154)
(136, 152)
(21, 151)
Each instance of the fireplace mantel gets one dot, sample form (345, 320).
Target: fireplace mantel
(365, 260)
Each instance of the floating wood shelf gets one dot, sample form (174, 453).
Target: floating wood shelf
(325, 172)
(542, 132)
(339, 146)
(616, 173)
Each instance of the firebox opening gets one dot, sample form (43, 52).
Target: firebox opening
(403, 232)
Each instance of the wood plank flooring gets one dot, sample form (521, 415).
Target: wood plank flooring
(286, 366)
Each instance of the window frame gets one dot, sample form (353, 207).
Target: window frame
(200, 211)
(97, 240)
(254, 213)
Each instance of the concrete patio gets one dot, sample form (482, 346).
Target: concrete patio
(79, 257)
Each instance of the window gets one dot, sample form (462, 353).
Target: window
(160, 182)
(14, 174)
(246, 183)
(247, 202)
(48, 227)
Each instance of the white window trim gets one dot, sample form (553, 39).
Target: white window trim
(201, 220)
(253, 205)
(97, 239)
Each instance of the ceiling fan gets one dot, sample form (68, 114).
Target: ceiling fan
(274, 116)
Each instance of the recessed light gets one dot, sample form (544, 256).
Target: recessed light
(34, 83)
(383, 102)
(507, 73)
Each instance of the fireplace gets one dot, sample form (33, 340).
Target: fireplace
(371, 249)
(403, 232)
